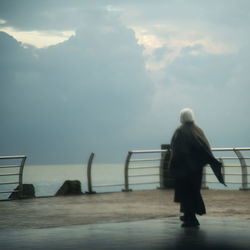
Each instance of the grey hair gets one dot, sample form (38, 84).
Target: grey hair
(186, 115)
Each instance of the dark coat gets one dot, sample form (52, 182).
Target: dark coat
(190, 152)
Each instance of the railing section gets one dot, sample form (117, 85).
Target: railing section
(156, 160)
(229, 155)
(226, 164)
(17, 171)
(89, 178)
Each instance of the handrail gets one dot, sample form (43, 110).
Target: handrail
(126, 184)
(89, 178)
(90, 191)
(243, 168)
(236, 150)
(12, 157)
(148, 151)
(231, 149)
(242, 160)
(128, 160)
(19, 174)
(238, 156)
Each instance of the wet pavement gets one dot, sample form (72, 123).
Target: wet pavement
(164, 233)
(137, 220)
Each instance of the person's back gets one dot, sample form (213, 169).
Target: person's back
(190, 152)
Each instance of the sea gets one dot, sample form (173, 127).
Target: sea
(47, 179)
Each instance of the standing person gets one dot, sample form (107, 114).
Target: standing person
(190, 152)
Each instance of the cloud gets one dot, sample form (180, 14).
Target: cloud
(2, 21)
(194, 53)
(121, 80)
(39, 39)
(111, 8)
(176, 40)
(75, 97)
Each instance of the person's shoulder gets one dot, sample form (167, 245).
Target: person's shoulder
(176, 133)
(196, 127)
(178, 129)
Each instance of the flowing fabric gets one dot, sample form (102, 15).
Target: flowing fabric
(190, 152)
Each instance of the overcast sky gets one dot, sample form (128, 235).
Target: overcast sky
(110, 76)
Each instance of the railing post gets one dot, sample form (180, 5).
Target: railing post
(243, 168)
(90, 191)
(21, 176)
(163, 155)
(166, 179)
(204, 178)
(126, 184)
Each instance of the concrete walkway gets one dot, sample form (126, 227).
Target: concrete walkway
(136, 220)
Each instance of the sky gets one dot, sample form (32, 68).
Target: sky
(110, 76)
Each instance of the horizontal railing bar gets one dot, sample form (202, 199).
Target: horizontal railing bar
(147, 151)
(8, 183)
(227, 182)
(143, 167)
(232, 158)
(12, 157)
(144, 183)
(211, 174)
(228, 157)
(235, 174)
(227, 166)
(108, 185)
(13, 191)
(236, 166)
(164, 150)
(10, 166)
(152, 159)
(230, 149)
(9, 174)
(143, 175)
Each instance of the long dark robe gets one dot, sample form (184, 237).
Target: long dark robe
(190, 152)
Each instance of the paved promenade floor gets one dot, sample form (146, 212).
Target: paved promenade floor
(134, 220)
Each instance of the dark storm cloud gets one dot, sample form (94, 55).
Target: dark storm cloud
(93, 92)
(74, 97)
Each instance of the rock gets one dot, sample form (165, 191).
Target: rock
(28, 192)
(70, 188)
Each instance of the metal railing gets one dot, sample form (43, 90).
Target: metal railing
(235, 154)
(155, 160)
(156, 157)
(19, 172)
(89, 178)
(128, 167)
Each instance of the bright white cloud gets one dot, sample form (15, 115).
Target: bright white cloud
(175, 39)
(147, 39)
(39, 39)
(2, 21)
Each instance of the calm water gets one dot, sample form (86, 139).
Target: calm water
(47, 179)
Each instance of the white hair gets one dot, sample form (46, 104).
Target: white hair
(186, 115)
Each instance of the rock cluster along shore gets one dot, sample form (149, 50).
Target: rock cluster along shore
(69, 187)
(27, 192)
